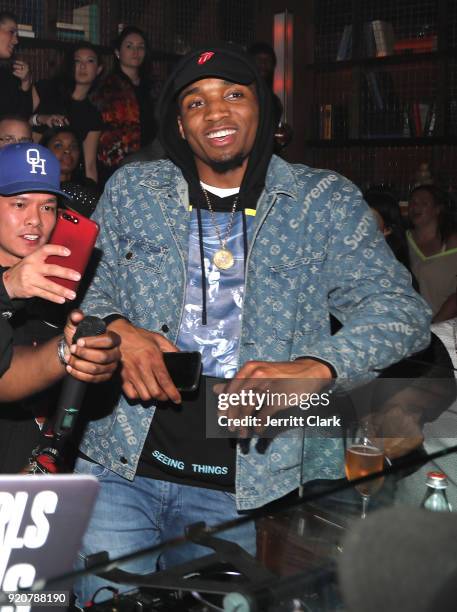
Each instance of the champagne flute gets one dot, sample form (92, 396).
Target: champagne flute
(364, 456)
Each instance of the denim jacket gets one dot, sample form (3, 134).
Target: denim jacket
(315, 250)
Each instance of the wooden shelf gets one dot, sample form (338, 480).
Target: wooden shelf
(382, 142)
(46, 43)
(395, 94)
(389, 60)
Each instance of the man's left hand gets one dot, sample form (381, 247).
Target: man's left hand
(93, 359)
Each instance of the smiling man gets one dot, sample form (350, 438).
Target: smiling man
(230, 251)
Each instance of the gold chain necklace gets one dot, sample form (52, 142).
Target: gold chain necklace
(223, 258)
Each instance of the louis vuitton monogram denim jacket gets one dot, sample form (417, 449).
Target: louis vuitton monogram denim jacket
(315, 250)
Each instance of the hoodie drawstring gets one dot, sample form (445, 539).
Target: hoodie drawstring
(245, 239)
(202, 263)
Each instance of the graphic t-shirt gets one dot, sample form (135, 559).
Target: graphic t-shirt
(176, 448)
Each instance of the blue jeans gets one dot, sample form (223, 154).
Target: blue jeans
(133, 515)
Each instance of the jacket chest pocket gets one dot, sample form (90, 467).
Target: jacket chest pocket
(142, 254)
(143, 279)
(288, 276)
(297, 295)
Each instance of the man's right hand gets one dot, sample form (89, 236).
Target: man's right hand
(144, 374)
(27, 278)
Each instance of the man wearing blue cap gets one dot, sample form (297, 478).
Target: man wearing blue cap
(228, 250)
(29, 187)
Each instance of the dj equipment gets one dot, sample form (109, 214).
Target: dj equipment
(43, 520)
(230, 580)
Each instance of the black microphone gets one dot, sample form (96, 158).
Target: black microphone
(73, 390)
(47, 458)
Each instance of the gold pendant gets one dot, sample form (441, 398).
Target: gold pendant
(223, 259)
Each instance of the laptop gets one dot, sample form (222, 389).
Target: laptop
(42, 523)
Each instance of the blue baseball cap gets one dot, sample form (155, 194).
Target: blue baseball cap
(28, 167)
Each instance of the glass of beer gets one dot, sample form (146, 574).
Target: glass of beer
(364, 455)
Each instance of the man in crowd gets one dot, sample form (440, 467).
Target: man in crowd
(27, 370)
(13, 130)
(29, 188)
(284, 245)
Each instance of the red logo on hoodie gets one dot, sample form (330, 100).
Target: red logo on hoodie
(205, 56)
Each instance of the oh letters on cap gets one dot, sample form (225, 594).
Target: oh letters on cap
(35, 161)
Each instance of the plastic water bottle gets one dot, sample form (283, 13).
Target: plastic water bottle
(435, 498)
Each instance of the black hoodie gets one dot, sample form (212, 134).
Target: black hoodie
(178, 149)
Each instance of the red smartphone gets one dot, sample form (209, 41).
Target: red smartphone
(77, 233)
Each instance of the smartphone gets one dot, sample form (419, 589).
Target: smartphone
(77, 233)
(184, 369)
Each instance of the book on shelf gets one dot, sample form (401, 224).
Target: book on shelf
(368, 39)
(421, 119)
(374, 89)
(25, 30)
(340, 122)
(423, 113)
(383, 115)
(452, 118)
(425, 44)
(25, 33)
(345, 48)
(88, 17)
(378, 37)
(384, 37)
(410, 126)
(73, 32)
(32, 16)
(416, 117)
(430, 120)
(73, 27)
(325, 122)
(333, 123)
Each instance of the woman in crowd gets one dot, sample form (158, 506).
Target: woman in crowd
(432, 243)
(124, 100)
(63, 142)
(65, 101)
(388, 217)
(15, 77)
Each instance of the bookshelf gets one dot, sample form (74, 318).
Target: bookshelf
(48, 28)
(382, 95)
